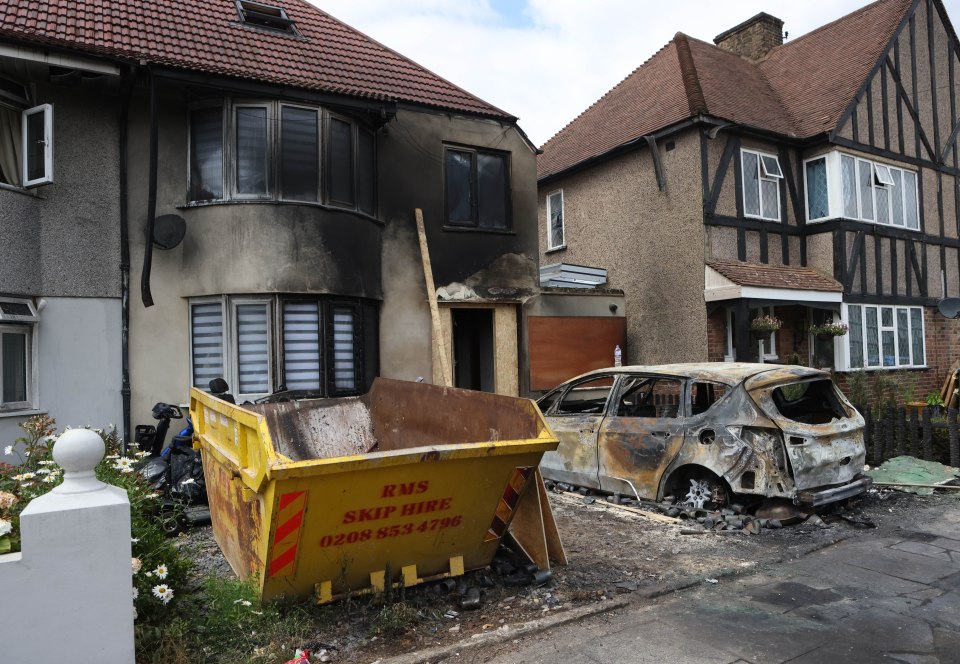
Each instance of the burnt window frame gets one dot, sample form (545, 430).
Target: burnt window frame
(327, 166)
(474, 223)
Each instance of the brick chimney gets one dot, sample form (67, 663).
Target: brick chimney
(753, 38)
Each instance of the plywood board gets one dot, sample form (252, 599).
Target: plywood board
(562, 347)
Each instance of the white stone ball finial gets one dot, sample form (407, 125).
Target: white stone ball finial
(78, 451)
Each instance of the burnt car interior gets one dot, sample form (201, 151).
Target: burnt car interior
(589, 397)
(810, 402)
(650, 397)
(703, 395)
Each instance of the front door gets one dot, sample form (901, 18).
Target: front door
(643, 433)
(473, 349)
(576, 418)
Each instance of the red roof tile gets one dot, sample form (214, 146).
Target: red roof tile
(776, 276)
(800, 89)
(208, 36)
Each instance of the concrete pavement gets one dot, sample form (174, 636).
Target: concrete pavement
(872, 599)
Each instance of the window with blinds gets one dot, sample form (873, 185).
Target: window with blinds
(253, 348)
(206, 337)
(323, 346)
(344, 348)
(302, 365)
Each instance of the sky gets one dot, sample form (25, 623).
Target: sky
(546, 61)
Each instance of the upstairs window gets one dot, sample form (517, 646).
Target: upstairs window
(477, 189)
(555, 228)
(278, 151)
(761, 185)
(842, 186)
(26, 139)
(265, 16)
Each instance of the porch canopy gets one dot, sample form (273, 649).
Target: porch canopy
(770, 283)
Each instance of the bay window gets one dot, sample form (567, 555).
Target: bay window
(270, 150)
(839, 185)
(884, 337)
(321, 346)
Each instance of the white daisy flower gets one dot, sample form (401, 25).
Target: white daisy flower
(243, 602)
(112, 456)
(163, 592)
(8, 450)
(151, 495)
(27, 453)
(50, 479)
(43, 471)
(124, 465)
(136, 593)
(5, 527)
(24, 476)
(47, 462)
(142, 454)
(161, 571)
(134, 540)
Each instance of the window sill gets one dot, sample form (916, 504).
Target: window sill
(474, 229)
(21, 413)
(756, 218)
(560, 248)
(865, 221)
(261, 201)
(31, 193)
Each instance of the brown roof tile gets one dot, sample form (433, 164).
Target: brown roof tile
(776, 276)
(800, 89)
(207, 36)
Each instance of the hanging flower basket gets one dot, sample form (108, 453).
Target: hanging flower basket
(765, 324)
(829, 330)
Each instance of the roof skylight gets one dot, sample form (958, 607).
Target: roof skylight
(265, 16)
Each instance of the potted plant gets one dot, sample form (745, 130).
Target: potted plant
(829, 329)
(762, 326)
(935, 403)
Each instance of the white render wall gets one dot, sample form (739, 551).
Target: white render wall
(78, 358)
(68, 595)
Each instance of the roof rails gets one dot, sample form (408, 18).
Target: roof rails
(265, 16)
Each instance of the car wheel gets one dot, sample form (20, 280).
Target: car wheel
(705, 493)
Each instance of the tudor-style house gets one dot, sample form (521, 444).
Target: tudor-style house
(814, 179)
(192, 189)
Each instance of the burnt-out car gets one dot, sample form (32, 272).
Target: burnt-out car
(703, 432)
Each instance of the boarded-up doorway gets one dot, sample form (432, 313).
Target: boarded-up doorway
(473, 367)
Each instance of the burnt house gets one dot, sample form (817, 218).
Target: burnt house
(815, 179)
(205, 188)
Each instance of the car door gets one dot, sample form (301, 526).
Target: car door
(575, 417)
(642, 434)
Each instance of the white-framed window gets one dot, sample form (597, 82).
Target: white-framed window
(841, 186)
(26, 138)
(18, 353)
(271, 150)
(883, 337)
(259, 345)
(555, 228)
(769, 343)
(761, 185)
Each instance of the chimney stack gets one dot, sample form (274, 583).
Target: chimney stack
(753, 38)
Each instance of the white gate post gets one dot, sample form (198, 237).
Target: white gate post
(71, 586)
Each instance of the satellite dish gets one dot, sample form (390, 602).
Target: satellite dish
(168, 231)
(949, 307)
